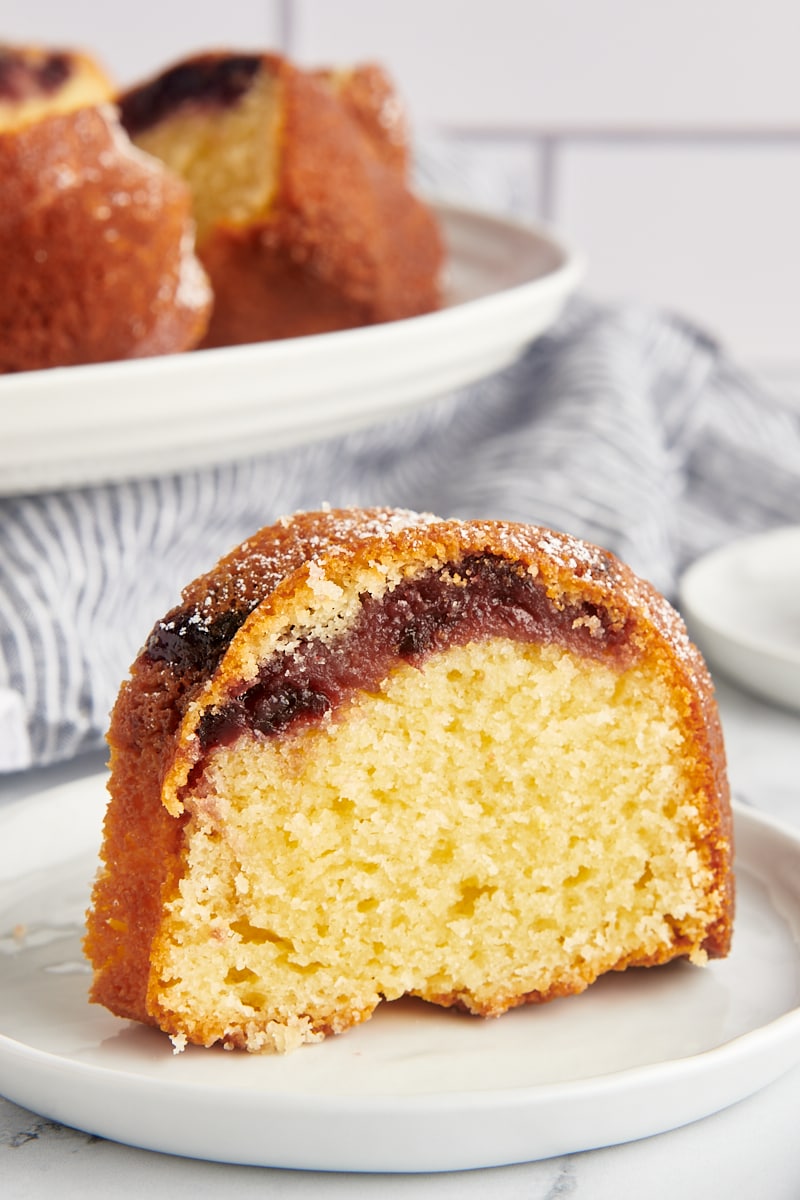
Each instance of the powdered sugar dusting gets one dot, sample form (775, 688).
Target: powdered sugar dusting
(193, 290)
(303, 539)
(581, 557)
(309, 540)
(593, 564)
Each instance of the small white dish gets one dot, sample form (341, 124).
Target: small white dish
(68, 427)
(416, 1088)
(742, 606)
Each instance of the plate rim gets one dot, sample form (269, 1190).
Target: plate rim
(571, 265)
(286, 393)
(765, 1046)
(709, 563)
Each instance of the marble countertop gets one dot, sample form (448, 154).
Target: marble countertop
(750, 1150)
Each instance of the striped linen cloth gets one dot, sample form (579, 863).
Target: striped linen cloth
(625, 426)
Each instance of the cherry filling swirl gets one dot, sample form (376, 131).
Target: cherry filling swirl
(482, 597)
(207, 79)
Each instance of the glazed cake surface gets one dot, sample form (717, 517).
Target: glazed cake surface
(96, 238)
(305, 220)
(375, 754)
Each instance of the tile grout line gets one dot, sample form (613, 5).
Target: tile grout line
(286, 27)
(657, 135)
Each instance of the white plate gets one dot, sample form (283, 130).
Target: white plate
(71, 426)
(742, 606)
(416, 1088)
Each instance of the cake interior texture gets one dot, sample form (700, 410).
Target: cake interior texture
(504, 823)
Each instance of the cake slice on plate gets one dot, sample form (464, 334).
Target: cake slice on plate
(373, 754)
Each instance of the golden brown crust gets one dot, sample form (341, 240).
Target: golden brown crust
(141, 843)
(267, 584)
(370, 97)
(95, 241)
(345, 216)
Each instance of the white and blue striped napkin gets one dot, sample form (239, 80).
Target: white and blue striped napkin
(625, 426)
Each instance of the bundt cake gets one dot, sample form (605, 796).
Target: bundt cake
(305, 222)
(96, 238)
(375, 754)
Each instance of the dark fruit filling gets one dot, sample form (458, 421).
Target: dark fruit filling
(481, 598)
(190, 644)
(204, 80)
(21, 79)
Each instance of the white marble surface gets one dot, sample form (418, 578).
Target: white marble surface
(750, 1150)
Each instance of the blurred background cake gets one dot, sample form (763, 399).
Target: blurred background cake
(96, 238)
(305, 221)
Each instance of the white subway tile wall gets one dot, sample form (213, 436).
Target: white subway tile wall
(662, 139)
(559, 64)
(709, 228)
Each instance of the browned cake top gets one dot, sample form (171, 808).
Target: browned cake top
(470, 579)
(215, 605)
(371, 99)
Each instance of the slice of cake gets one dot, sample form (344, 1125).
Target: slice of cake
(374, 754)
(305, 220)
